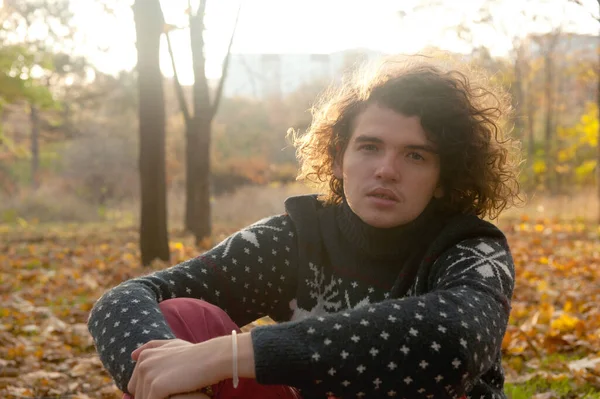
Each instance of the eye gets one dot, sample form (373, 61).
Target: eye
(368, 147)
(415, 156)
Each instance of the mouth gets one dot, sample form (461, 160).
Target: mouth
(384, 194)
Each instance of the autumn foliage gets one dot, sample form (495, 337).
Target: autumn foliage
(49, 280)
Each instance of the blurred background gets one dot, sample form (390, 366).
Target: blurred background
(69, 97)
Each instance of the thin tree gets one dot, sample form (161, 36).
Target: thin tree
(597, 18)
(198, 125)
(549, 43)
(23, 16)
(516, 31)
(153, 227)
(598, 106)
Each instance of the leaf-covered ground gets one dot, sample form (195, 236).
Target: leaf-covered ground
(51, 276)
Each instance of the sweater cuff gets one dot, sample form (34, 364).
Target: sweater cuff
(279, 356)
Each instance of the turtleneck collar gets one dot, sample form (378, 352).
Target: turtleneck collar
(377, 242)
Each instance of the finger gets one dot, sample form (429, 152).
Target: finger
(136, 353)
(148, 345)
(132, 381)
(142, 386)
(154, 391)
(136, 382)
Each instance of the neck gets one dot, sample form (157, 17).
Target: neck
(384, 242)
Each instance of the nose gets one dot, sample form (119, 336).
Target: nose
(387, 170)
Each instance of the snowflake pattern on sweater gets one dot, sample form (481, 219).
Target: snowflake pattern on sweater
(350, 339)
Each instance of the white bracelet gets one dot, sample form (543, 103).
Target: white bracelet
(236, 379)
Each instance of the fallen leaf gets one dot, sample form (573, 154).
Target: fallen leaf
(587, 363)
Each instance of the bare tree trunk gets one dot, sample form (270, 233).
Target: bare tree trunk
(35, 144)
(153, 229)
(548, 121)
(198, 126)
(548, 125)
(67, 118)
(558, 114)
(198, 179)
(527, 95)
(198, 214)
(198, 130)
(518, 89)
(524, 109)
(198, 138)
(598, 147)
(531, 139)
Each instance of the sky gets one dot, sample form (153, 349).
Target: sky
(323, 26)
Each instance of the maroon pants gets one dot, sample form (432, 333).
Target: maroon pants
(196, 321)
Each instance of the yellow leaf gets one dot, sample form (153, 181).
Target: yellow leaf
(178, 246)
(265, 321)
(168, 28)
(546, 313)
(539, 167)
(565, 322)
(586, 168)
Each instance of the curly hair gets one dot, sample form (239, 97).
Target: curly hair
(467, 120)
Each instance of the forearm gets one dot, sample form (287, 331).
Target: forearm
(245, 356)
(414, 339)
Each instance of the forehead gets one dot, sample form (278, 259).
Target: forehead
(389, 126)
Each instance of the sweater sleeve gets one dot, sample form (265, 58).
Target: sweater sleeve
(249, 274)
(432, 345)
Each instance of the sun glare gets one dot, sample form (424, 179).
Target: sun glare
(316, 27)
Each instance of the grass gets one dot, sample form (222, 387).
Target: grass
(554, 387)
(560, 389)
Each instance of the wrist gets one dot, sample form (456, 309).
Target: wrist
(245, 354)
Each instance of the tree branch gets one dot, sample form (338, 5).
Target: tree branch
(178, 89)
(219, 92)
(591, 13)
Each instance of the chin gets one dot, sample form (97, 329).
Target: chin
(382, 222)
(386, 224)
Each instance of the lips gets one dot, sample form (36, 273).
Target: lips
(384, 194)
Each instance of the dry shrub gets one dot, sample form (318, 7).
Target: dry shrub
(49, 203)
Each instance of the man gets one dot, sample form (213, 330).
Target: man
(389, 284)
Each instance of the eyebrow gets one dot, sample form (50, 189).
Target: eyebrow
(372, 139)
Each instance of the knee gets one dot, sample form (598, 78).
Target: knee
(177, 303)
(192, 307)
(197, 315)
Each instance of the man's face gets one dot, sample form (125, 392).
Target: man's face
(390, 169)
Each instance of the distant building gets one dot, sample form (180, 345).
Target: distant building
(275, 75)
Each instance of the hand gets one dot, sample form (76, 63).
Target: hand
(174, 367)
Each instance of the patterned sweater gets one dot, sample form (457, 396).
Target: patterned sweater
(332, 282)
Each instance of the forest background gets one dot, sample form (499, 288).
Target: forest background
(119, 156)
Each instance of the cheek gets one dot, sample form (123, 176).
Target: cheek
(425, 183)
(351, 167)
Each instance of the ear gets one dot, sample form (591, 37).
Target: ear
(439, 192)
(337, 168)
(337, 163)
